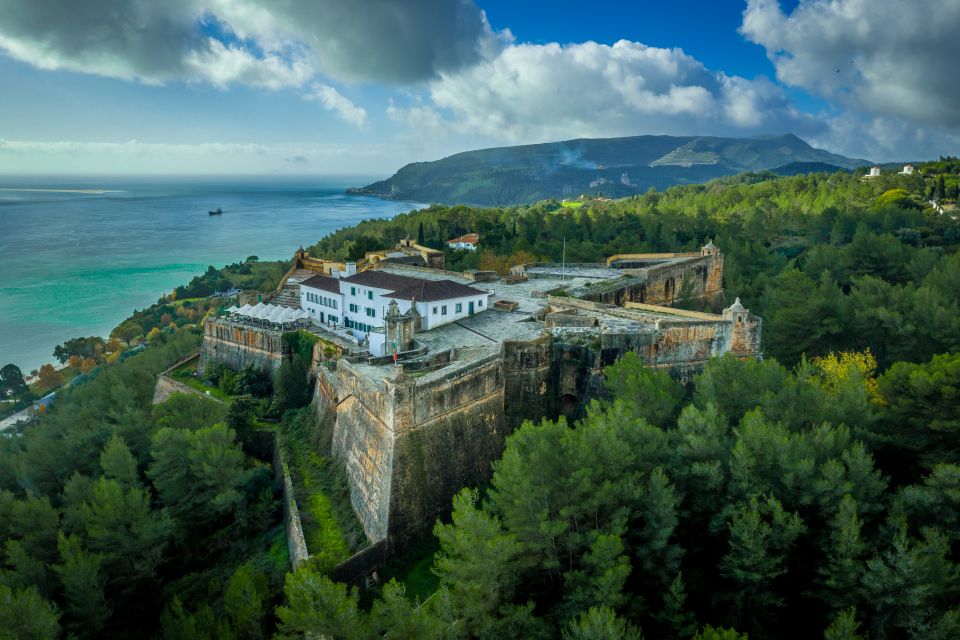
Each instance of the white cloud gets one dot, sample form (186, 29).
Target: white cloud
(889, 58)
(532, 92)
(339, 104)
(256, 42)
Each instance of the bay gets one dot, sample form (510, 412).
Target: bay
(77, 256)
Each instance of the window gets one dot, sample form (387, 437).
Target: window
(353, 291)
(333, 319)
(443, 310)
(369, 295)
(459, 308)
(480, 303)
(354, 308)
(434, 311)
(371, 313)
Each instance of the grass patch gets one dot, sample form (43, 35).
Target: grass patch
(330, 527)
(186, 373)
(571, 204)
(414, 570)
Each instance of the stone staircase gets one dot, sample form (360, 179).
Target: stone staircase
(289, 295)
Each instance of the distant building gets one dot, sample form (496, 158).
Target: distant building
(873, 173)
(907, 170)
(468, 242)
(599, 182)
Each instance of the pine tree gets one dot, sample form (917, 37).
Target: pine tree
(676, 619)
(85, 604)
(119, 464)
(601, 623)
(844, 626)
(845, 557)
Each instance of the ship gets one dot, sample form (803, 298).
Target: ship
(216, 212)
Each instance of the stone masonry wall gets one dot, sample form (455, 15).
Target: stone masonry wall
(528, 391)
(694, 278)
(296, 543)
(447, 440)
(238, 346)
(363, 439)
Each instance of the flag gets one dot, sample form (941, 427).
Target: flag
(394, 345)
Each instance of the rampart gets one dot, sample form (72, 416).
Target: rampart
(238, 346)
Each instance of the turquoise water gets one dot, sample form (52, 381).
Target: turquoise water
(78, 262)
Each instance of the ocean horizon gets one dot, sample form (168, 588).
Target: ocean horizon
(78, 255)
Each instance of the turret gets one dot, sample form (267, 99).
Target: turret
(736, 312)
(709, 249)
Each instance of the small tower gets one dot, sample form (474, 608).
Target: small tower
(709, 249)
(736, 313)
(399, 328)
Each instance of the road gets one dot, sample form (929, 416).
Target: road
(10, 422)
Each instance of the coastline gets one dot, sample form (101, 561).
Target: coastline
(79, 263)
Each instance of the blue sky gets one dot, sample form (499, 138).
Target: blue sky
(330, 87)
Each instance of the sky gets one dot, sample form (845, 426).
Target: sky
(362, 87)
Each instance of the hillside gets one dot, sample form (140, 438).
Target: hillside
(615, 167)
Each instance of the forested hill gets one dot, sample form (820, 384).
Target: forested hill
(615, 167)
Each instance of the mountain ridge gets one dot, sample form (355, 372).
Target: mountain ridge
(615, 167)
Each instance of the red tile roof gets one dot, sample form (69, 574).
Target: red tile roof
(470, 238)
(382, 280)
(433, 290)
(322, 282)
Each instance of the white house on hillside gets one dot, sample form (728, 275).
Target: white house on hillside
(468, 242)
(873, 173)
(907, 170)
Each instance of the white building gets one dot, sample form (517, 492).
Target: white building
(907, 170)
(873, 173)
(359, 302)
(468, 242)
(320, 297)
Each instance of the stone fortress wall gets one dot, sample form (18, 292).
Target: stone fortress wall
(238, 346)
(409, 438)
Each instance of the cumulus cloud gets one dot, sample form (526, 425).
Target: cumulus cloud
(257, 42)
(534, 92)
(884, 57)
(339, 104)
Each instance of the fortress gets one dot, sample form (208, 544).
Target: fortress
(421, 373)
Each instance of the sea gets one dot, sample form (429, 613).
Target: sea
(79, 255)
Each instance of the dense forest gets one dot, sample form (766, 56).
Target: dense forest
(814, 502)
(121, 518)
(815, 493)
